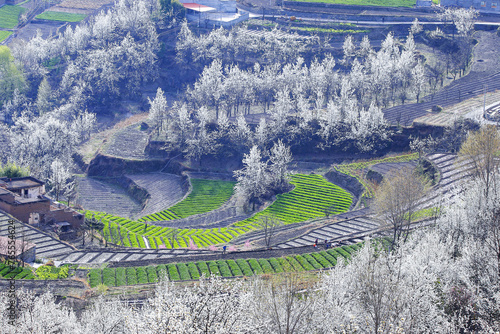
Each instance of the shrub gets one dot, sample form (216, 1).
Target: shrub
(108, 277)
(257, 269)
(121, 277)
(131, 276)
(276, 265)
(224, 268)
(214, 268)
(266, 267)
(245, 267)
(312, 261)
(94, 277)
(173, 274)
(235, 269)
(203, 267)
(162, 271)
(183, 271)
(152, 276)
(193, 270)
(303, 262)
(142, 276)
(329, 258)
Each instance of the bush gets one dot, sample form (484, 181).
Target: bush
(245, 267)
(152, 276)
(329, 258)
(193, 270)
(183, 271)
(235, 269)
(266, 267)
(303, 262)
(131, 276)
(321, 260)
(276, 265)
(312, 261)
(437, 108)
(108, 277)
(162, 272)
(94, 277)
(257, 269)
(142, 276)
(121, 277)
(173, 274)
(203, 267)
(214, 268)
(224, 268)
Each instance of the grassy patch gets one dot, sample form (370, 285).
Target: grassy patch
(309, 199)
(9, 16)
(4, 34)
(61, 16)
(330, 30)
(382, 3)
(206, 195)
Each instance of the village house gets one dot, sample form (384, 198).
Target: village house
(24, 198)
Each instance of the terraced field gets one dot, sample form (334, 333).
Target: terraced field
(206, 195)
(9, 16)
(225, 268)
(4, 35)
(61, 16)
(358, 169)
(309, 199)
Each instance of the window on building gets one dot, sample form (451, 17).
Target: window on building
(493, 5)
(483, 3)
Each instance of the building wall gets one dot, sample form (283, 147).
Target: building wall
(22, 211)
(480, 5)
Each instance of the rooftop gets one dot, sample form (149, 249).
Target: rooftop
(198, 8)
(16, 183)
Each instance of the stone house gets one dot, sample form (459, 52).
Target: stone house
(24, 198)
(480, 5)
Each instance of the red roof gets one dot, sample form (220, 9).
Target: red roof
(198, 8)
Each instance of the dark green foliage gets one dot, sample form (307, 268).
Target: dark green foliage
(214, 268)
(142, 276)
(131, 276)
(203, 267)
(108, 277)
(296, 266)
(94, 276)
(152, 276)
(183, 271)
(13, 273)
(321, 260)
(193, 270)
(245, 267)
(312, 261)
(224, 268)
(235, 269)
(276, 265)
(328, 257)
(162, 272)
(12, 170)
(173, 274)
(23, 274)
(121, 277)
(257, 269)
(266, 266)
(304, 263)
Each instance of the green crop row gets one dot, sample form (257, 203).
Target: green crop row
(8, 272)
(312, 195)
(224, 268)
(205, 196)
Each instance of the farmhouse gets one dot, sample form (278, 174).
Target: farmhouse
(214, 12)
(24, 251)
(24, 198)
(480, 5)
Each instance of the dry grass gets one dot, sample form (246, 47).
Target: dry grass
(97, 142)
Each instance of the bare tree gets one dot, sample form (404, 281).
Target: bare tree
(269, 224)
(397, 199)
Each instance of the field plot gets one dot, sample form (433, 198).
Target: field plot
(225, 268)
(382, 3)
(4, 35)
(358, 169)
(9, 16)
(312, 195)
(206, 195)
(79, 6)
(61, 16)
